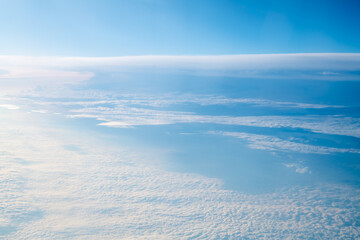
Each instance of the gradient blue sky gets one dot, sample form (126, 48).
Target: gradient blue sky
(141, 27)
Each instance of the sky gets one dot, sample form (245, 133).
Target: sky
(146, 27)
(179, 119)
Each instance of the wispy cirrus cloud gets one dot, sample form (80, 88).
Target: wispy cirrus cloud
(203, 100)
(124, 116)
(77, 98)
(271, 143)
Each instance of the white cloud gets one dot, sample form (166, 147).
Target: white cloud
(301, 66)
(164, 100)
(130, 110)
(38, 74)
(271, 143)
(204, 100)
(298, 168)
(9, 106)
(18, 79)
(39, 111)
(300, 61)
(124, 116)
(109, 192)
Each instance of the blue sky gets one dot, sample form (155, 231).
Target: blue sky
(142, 27)
(179, 119)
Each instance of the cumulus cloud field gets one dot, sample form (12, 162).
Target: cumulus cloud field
(58, 184)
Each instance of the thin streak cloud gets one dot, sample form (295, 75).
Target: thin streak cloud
(271, 143)
(130, 116)
(296, 61)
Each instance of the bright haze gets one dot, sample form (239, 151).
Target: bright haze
(182, 119)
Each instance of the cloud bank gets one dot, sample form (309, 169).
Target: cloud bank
(321, 66)
(299, 61)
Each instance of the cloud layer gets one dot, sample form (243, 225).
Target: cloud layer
(71, 185)
(300, 61)
(95, 191)
(322, 66)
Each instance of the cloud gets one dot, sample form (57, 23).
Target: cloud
(125, 116)
(271, 143)
(38, 74)
(300, 61)
(169, 99)
(22, 78)
(203, 100)
(284, 66)
(298, 168)
(9, 106)
(39, 111)
(132, 110)
(94, 190)
(110, 192)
